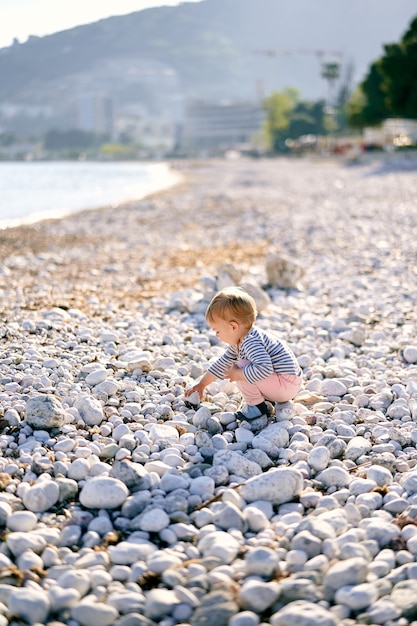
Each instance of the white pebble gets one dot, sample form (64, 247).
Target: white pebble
(103, 492)
(32, 605)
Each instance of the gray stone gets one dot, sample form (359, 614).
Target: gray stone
(134, 619)
(258, 596)
(357, 597)
(282, 271)
(349, 572)
(68, 489)
(133, 475)
(300, 613)
(236, 463)
(45, 412)
(271, 440)
(404, 596)
(261, 561)
(307, 542)
(229, 516)
(216, 609)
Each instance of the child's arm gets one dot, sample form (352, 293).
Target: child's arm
(235, 373)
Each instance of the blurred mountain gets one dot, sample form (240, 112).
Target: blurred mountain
(214, 49)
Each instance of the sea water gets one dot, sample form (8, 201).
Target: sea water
(32, 191)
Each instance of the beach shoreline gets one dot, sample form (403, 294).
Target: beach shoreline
(84, 241)
(40, 190)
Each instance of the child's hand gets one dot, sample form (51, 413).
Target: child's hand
(201, 385)
(195, 389)
(192, 400)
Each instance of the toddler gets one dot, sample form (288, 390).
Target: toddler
(263, 367)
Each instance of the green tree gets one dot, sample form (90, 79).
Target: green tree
(307, 118)
(390, 87)
(367, 106)
(399, 75)
(288, 117)
(74, 138)
(278, 107)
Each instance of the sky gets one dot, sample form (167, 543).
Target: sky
(21, 18)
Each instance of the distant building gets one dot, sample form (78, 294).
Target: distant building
(94, 114)
(134, 123)
(397, 132)
(213, 127)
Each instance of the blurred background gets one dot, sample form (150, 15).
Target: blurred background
(206, 78)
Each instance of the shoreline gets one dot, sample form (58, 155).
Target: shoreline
(161, 177)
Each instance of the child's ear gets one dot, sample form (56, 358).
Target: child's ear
(234, 325)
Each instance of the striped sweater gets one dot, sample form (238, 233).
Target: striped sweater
(266, 353)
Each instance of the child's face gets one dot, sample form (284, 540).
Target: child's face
(229, 332)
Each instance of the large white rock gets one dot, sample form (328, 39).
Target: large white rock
(32, 605)
(318, 458)
(333, 387)
(159, 602)
(127, 552)
(90, 410)
(271, 440)
(258, 595)
(277, 486)
(41, 496)
(163, 431)
(90, 612)
(19, 542)
(154, 520)
(348, 572)
(236, 464)
(220, 544)
(97, 376)
(103, 492)
(357, 447)
(136, 359)
(334, 476)
(61, 598)
(410, 354)
(282, 271)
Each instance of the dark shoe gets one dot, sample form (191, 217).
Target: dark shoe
(252, 412)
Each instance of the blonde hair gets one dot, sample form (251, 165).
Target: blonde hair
(232, 304)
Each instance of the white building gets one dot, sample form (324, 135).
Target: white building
(94, 114)
(212, 127)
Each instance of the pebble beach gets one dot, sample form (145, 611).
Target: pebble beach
(121, 504)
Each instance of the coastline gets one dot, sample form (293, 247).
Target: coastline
(76, 186)
(161, 231)
(122, 505)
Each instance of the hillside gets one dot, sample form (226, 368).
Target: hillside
(214, 49)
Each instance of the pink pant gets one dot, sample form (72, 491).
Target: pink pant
(277, 387)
